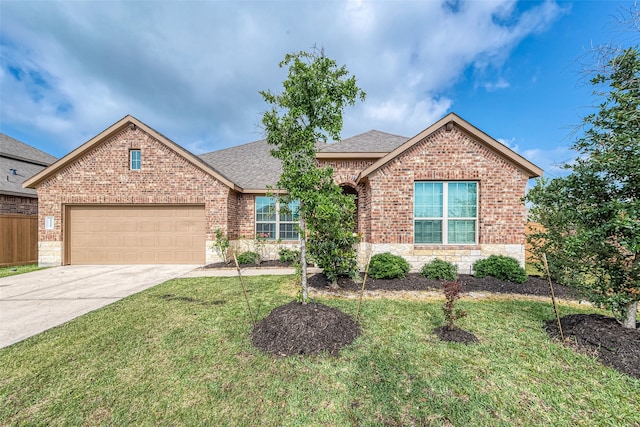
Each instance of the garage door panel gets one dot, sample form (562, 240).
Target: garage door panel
(135, 234)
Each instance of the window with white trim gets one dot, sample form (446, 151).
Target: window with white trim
(445, 212)
(273, 224)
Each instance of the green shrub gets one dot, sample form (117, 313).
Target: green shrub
(248, 258)
(288, 255)
(388, 266)
(439, 269)
(501, 267)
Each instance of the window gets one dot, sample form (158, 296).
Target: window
(134, 160)
(273, 223)
(445, 212)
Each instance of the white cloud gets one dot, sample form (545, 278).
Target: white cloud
(193, 69)
(497, 85)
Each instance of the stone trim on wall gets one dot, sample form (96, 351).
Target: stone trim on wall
(50, 253)
(459, 255)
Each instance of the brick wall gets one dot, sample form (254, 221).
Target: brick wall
(103, 176)
(449, 156)
(18, 205)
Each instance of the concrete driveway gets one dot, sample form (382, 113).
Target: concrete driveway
(33, 302)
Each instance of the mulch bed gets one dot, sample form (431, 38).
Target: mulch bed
(295, 329)
(603, 336)
(263, 264)
(455, 334)
(416, 282)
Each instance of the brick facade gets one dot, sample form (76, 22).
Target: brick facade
(103, 176)
(385, 196)
(18, 205)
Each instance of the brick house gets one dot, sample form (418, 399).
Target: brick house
(18, 205)
(19, 161)
(131, 195)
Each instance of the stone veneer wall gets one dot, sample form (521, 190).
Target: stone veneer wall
(459, 255)
(103, 176)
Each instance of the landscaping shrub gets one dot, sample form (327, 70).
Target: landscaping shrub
(248, 258)
(288, 255)
(452, 294)
(388, 266)
(439, 269)
(501, 267)
(221, 245)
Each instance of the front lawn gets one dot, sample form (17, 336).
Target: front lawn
(180, 354)
(19, 269)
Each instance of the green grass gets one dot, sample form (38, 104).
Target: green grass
(13, 270)
(180, 354)
(532, 270)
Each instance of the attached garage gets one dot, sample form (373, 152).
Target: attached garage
(135, 234)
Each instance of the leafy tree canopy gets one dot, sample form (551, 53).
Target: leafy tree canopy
(592, 216)
(309, 111)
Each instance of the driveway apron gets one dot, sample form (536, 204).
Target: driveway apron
(33, 302)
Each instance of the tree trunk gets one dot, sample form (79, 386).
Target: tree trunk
(630, 320)
(303, 259)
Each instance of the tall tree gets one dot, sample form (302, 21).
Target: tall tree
(592, 216)
(308, 110)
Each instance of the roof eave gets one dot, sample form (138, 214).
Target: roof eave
(350, 155)
(19, 194)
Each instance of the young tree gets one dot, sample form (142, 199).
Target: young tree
(331, 238)
(592, 216)
(308, 110)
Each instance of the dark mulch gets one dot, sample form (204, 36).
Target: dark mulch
(603, 336)
(263, 264)
(416, 282)
(294, 329)
(455, 334)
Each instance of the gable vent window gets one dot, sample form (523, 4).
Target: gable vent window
(134, 160)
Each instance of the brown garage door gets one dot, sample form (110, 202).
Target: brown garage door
(135, 235)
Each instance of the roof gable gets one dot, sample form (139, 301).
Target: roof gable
(113, 130)
(451, 120)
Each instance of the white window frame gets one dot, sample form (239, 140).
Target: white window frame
(138, 161)
(277, 221)
(445, 214)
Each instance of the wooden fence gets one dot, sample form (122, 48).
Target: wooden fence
(18, 239)
(531, 228)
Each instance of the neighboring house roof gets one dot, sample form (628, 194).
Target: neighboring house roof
(19, 161)
(251, 166)
(451, 120)
(114, 129)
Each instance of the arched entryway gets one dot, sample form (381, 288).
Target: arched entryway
(348, 189)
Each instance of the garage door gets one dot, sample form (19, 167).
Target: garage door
(135, 235)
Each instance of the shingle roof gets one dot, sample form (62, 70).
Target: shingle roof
(18, 162)
(372, 141)
(12, 148)
(250, 166)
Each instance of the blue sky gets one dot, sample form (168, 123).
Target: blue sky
(192, 69)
